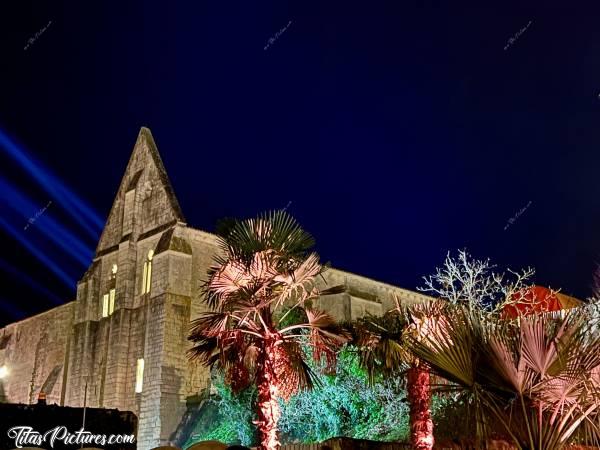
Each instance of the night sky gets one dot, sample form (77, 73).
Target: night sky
(397, 130)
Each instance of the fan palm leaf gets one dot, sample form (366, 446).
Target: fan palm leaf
(263, 264)
(533, 375)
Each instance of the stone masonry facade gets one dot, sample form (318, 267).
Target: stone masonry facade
(149, 265)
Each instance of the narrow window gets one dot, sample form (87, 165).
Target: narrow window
(147, 274)
(144, 276)
(105, 305)
(128, 208)
(108, 300)
(139, 375)
(111, 301)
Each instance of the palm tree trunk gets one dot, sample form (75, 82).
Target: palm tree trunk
(268, 406)
(419, 399)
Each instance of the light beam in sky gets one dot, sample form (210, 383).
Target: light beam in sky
(51, 228)
(51, 265)
(76, 207)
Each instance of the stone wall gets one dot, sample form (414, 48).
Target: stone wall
(34, 352)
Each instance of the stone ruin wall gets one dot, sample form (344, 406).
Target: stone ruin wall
(35, 352)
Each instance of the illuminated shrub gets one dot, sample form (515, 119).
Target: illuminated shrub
(342, 405)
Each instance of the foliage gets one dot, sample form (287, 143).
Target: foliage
(343, 404)
(346, 404)
(264, 264)
(535, 378)
(382, 345)
(445, 410)
(227, 417)
(453, 417)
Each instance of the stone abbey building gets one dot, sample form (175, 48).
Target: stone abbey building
(122, 342)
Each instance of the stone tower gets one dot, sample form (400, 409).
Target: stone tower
(134, 303)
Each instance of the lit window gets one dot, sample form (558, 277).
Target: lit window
(147, 274)
(111, 301)
(108, 300)
(139, 375)
(3, 371)
(144, 275)
(105, 304)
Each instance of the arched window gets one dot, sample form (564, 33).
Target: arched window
(147, 274)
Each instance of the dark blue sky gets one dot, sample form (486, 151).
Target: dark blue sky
(398, 130)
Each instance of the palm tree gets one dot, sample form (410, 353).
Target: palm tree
(534, 379)
(382, 346)
(265, 265)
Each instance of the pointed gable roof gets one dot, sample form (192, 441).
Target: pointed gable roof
(153, 204)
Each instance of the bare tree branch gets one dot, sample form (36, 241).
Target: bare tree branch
(473, 282)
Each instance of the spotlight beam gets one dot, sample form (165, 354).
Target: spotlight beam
(66, 279)
(87, 218)
(56, 232)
